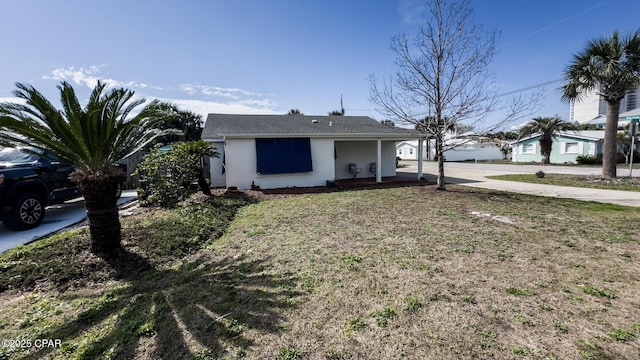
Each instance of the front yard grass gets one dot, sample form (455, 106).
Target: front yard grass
(594, 182)
(399, 273)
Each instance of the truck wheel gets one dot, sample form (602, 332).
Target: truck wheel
(27, 213)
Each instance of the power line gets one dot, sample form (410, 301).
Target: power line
(530, 87)
(554, 24)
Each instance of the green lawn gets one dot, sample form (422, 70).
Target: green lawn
(399, 273)
(594, 182)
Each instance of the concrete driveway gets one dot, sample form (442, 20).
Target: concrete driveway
(57, 217)
(474, 175)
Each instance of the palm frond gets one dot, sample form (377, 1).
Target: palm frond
(610, 66)
(93, 137)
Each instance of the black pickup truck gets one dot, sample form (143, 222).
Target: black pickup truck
(28, 183)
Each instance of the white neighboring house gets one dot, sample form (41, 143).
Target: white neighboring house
(465, 149)
(278, 151)
(408, 150)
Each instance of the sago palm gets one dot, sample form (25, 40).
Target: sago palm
(611, 68)
(111, 126)
(548, 128)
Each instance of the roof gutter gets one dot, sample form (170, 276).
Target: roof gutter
(321, 135)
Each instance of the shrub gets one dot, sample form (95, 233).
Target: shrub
(588, 159)
(540, 174)
(165, 177)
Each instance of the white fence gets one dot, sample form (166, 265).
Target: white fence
(478, 151)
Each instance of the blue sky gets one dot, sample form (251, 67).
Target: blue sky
(259, 56)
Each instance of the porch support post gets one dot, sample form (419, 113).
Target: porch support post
(420, 158)
(379, 162)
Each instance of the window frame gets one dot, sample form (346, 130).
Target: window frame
(566, 147)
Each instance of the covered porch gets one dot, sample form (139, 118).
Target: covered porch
(369, 158)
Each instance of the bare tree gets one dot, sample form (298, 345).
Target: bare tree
(443, 80)
(623, 140)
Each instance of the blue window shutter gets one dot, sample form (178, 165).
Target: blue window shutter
(302, 155)
(282, 156)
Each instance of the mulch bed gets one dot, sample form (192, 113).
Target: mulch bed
(341, 185)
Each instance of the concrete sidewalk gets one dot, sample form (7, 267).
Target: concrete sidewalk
(474, 175)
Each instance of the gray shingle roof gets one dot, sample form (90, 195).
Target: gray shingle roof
(229, 125)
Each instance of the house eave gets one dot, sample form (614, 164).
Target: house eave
(565, 135)
(383, 136)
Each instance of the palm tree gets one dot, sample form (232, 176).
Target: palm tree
(188, 127)
(548, 128)
(109, 128)
(294, 112)
(611, 67)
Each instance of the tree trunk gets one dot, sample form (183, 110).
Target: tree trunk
(202, 182)
(440, 153)
(100, 200)
(545, 150)
(545, 159)
(610, 146)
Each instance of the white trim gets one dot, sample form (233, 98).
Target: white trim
(420, 158)
(379, 161)
(566, 147)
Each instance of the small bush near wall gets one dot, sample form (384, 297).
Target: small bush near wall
(590, 159)
(165, 177)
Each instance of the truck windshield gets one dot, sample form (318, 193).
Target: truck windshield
(16, 156)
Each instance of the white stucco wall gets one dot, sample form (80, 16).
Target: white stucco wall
(363, 153)
(241, 166)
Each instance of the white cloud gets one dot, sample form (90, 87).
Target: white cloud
(218, 99)
(214, 91)
(207, 107)
(89, 77)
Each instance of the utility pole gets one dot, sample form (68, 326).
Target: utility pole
(633, 130)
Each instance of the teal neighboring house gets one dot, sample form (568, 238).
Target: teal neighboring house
(567, 146)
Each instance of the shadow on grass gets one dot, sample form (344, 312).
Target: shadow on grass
(200, 308)
(206, 302)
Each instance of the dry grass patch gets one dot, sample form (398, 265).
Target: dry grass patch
(405, 273)
(459, 285)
